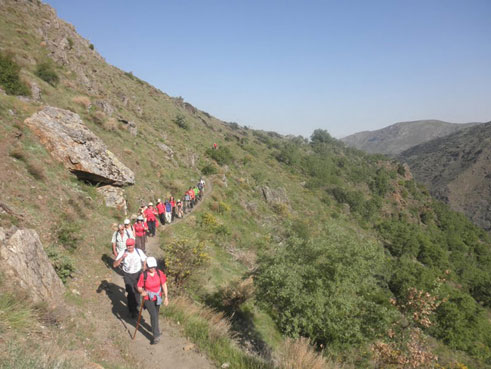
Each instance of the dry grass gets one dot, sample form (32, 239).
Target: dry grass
(83, 101)
(219, 326)
(110, 125)
(98, 117)
(299, 354)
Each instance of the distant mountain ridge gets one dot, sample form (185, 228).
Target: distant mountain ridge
(396, 138)
(457, 169)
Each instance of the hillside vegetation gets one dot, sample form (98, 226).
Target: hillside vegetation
(299, 241)
(396, 138)
(457, 169)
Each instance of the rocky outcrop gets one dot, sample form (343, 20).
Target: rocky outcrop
(68, 140)
(113, 197)
(274, 196)
(130, 126)
(25, 264)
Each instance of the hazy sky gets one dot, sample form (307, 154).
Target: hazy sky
(294, 66)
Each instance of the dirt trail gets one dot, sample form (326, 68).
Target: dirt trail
(174, 351)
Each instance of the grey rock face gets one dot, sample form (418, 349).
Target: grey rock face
(114, 197)
(68, 140)
(26, 265)
(274, 196)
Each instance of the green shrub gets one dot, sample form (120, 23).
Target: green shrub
(180, 121)
(63, 264)
(222, 155)
(91, 46)
(209, 169)
(70, 43)
(68, 235)
(47, 73)
(325, 289)
(10, 78)
(183, 258)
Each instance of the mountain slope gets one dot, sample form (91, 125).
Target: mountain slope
(457, 169)
(298, 238)
(394, 139)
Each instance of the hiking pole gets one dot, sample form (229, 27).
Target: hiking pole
(139, 317)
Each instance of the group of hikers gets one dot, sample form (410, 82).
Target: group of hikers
(140, 273)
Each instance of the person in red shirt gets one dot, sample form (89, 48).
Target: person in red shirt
(161, 211)
(173, 205)
(140, 233)
(150, 214)
(151, 284)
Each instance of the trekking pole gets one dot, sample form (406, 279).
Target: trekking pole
(139, 317)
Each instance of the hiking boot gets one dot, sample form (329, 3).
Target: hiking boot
(156, 340)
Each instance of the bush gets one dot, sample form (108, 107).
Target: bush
(47, 73)
(10, 78)
(63, 264)
(325, 289)
(183, 258)
(181, 122)
(68, 235)
(208, 169)
(91, 46)
(222, 155)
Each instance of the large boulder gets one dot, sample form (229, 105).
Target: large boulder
(26, 265)
(68, 140)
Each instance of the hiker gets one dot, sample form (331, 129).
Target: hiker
(196, 194)
(201, 187)
(168, 211)
(187, 202)
(151, 284)
(215, 146)
(161, 211)
(191, 194)
(118, 240)
(173, 205)
(150, 214)
(140, 233)
(129, 228)
(133, 260)
(179, 209)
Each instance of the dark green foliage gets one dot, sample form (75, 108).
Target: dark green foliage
(70, 43)
(321, 136)
(68, 234)
(288, 154)
(380, 184)
(181, 122)
(63, 264)
(463, 325)
(10, 78)
(325, 290)
(91, 46)
(47, 73)
(221, 155)
(208, 169)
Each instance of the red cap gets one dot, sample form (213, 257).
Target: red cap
(130, 242)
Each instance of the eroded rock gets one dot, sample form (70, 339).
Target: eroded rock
(25, 264)
(113, 197)
(274, 196)
(68, 140)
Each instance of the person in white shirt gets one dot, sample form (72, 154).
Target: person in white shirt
(129, 228)
(133, 261)
(118, 240)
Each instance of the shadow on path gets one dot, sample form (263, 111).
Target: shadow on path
(120, 310)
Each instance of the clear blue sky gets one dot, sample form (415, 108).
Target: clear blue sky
(294, 66)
